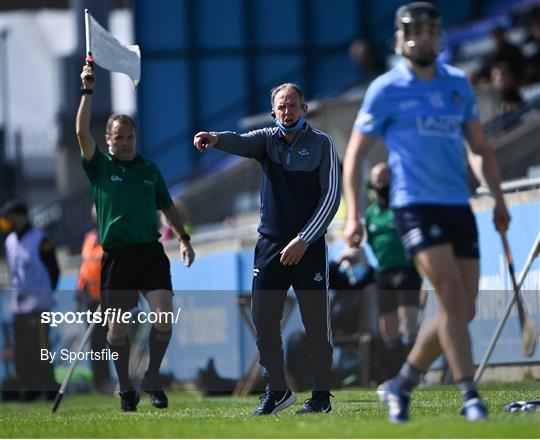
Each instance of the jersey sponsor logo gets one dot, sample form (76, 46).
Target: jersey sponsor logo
(115, 178)
(318, 277)
(408, 104)
(444, 126)
(304, 151)
(364, 120)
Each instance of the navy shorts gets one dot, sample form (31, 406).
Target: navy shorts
(424, 226)
(129, 270)
(398, 287)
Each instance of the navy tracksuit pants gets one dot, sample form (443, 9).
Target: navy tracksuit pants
(309, 279)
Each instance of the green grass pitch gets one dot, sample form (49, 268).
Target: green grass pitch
(356, 413)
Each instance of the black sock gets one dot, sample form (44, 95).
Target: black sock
(468, 389)
(393, 356)
(408, 377)
(121, 347)
(158, 343)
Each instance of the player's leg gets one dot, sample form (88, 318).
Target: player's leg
(160, 302)
(158, 292)
(119, 295)
(271, 281)
(408, 326)
(387, 301)
(409, 306)
(440, 266)
(310, 282)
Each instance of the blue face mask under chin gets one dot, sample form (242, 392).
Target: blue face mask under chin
(292, 129)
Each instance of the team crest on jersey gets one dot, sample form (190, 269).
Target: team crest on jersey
(457, 98)
(304, 151)
(435, 231)
(436, 99)
(318, 277)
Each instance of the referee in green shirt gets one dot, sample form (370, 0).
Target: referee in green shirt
(128, 190)
(398, 282)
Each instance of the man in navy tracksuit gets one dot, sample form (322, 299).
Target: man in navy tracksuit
(300, 195)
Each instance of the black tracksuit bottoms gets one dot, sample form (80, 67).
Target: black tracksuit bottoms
(309, 279)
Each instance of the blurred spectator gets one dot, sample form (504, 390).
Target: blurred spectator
(365, 58)
(34, 274)
(503, 82)
(398, 282)
(531, 46)
(505, 52)
(88, 298)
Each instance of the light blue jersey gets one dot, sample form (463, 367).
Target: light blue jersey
(422, 126)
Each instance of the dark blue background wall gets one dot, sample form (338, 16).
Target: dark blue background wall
(208, 63)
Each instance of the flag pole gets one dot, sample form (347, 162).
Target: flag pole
(89, 59)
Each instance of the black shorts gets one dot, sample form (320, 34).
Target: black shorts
(129, 270)
(398, 287)
(424, 226)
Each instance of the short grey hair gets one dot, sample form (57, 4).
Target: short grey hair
(293, 86)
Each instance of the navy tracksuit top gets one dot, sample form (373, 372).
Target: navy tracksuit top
(301, 184)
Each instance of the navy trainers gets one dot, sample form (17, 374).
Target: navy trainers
(152, 385)
(273, 402)
(396, 401)
(129, 400)
(474, 410)
(319, 403)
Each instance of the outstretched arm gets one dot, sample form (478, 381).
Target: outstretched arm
(251, 144)
(86, 141)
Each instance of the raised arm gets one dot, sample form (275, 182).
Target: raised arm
(359, 144)
(484, 165)
(86, 141)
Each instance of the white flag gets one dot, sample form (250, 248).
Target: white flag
(109, 53)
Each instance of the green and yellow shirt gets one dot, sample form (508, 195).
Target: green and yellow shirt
(127, 196)
(384, 239)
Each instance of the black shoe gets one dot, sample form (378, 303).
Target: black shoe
(129, 400)
(152, 385)
(273, 402)
(319, 403)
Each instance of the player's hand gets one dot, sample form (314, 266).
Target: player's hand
(187, 254)
(351, 255)
(293, 252)
(88, 77)
(501, 216)
(203, 140)
(354, 232)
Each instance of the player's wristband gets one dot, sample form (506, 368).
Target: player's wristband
(86, 91)
(185, 237)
